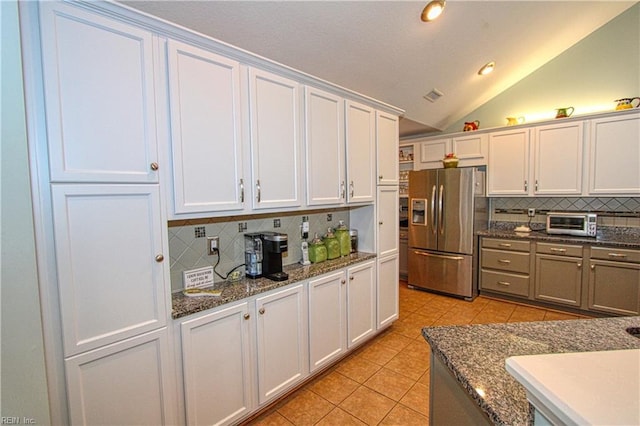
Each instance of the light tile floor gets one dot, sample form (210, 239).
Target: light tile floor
(386, 381)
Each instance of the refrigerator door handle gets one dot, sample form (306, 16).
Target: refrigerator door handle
(443, 256)
(441, 210)
(434, 224)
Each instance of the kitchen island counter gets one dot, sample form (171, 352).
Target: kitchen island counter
(475, 356)
(233, 291)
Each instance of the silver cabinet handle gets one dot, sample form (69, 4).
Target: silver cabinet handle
(351, 189)
(441, 256)
(259, 196)
(505, 261)
(261, 311)
(154, 166)
(617, 255)
(246, 316)
(593, 267)
(342, 190)
(159, 258)
(526, 186)
(536, 184)
(504, 245)
(558, 250)
(504, 283)
(242, 190)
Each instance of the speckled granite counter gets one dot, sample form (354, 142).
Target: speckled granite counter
(606, 235)
(476, 355)
(231, 292)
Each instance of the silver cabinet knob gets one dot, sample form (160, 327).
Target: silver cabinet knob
(579, 265)
(593, 267)
(261, 311)
(380, 223)
(350, 278)
(343, 281)
(154, 166)
(159, 258)
(380, 177)
(246, 316)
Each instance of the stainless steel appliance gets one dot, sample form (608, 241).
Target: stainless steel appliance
(274, 248)
(446, 208)
(574, 223)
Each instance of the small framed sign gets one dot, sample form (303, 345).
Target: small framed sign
(196, 278)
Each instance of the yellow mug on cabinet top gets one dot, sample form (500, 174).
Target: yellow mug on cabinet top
(512, 121)
(626, 103)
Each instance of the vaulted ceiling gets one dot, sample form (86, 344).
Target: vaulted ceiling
(382, 49)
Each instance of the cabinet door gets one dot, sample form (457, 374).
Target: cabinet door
(471, 149)
(216, 355)
(361, 156)
(558, 159)
(361, 307)
(205, 130)
(281, 341)
(109, 253)
(558, 279)
(614, 287)
(275, 140)
(388, 220)
(615, 155)
(432, 152)
(325, 150)
(327, 319)
(388, 291)
(387, 134)
(508, 170)
(126, 383)
(99, 97)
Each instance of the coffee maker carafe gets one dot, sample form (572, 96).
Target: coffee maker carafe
(253, 255)
(275, 247)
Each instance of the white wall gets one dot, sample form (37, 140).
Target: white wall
(588, 76)
(24, 388)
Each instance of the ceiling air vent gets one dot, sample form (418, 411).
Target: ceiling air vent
(433, 95)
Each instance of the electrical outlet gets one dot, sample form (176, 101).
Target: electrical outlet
(531, 212)
(329, 217)
(213, 245)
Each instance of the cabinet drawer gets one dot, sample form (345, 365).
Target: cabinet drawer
(559, 249)
(505, 283)
(613, 253)
(505, 260)
(516, 245)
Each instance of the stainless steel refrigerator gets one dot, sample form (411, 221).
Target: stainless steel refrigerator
(446, 208)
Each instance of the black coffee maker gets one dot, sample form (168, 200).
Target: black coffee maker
(274, 248)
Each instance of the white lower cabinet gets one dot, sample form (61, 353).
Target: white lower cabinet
(327, 319)
(125, 383)
(387, 291)
(216, 363)
(361, 302)
(281, 332)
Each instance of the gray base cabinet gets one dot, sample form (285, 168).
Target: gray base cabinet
(614, 283)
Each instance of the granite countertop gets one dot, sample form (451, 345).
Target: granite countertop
(476, 355)
(233, 291)
(606, 235)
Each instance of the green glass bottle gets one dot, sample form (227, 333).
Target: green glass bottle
(332, 244)
(317, 250)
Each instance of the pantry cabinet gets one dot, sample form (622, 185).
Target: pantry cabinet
(274, 108)
(327, 319)
(361, 303)
(217, 365)
(387, 133)
(98, 76)
(206, 130)
(282, 335)
(129, 382)
(614, 155)
(361, 152)
(324, 148)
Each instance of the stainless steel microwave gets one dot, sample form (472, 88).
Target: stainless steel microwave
(574, 223)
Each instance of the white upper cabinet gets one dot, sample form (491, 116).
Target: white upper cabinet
(387, 134)
(275, 140)
(471, 149)
(206, 142)
(110, 260)
(614, 164)
(361, 154)
(325, 150)
(508, 170)
(557, 156)
(99, 97)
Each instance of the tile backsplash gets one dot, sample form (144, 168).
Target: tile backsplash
(612, 211)
(188, 242)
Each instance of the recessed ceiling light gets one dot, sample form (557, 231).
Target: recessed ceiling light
(487, 68)
(432, 10)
